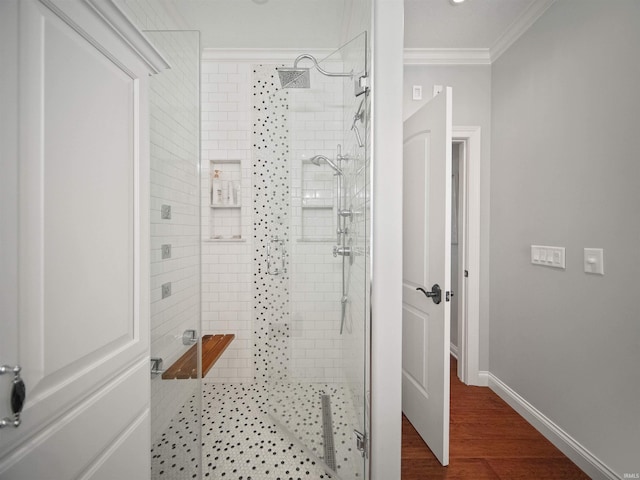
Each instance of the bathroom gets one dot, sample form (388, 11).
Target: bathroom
(263, 182)
(219, 156)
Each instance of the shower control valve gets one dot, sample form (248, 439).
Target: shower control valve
(342, 251)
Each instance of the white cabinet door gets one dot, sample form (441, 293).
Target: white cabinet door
(427, 262)
(75, 313)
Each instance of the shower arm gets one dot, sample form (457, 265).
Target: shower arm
(320, 69)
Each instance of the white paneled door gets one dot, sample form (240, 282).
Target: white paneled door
(74, 240)
(427, 272)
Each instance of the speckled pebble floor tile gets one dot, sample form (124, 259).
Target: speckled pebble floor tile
(241, 441)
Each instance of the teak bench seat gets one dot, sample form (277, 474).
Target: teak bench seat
(187, 366)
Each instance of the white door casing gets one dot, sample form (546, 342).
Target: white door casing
(78, 309)
(427, 261)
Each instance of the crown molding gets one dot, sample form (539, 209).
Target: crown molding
(261, 55)
(519, 26)
(412, 56)
(120, 22)
(479, 56)
(447, 56)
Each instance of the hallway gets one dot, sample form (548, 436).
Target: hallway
(488, 440)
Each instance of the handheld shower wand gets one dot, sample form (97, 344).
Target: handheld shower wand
(358, 116)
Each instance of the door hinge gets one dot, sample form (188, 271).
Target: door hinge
(361, 443)
(466, 273)
(362, 85)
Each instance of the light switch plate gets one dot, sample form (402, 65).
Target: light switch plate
(548, 256)
(437, 89)
(594, 261)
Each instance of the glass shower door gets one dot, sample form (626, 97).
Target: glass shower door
(174, 103)
(316, 235)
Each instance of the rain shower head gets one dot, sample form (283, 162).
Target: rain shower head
(294, 77)
(321, 158)
(297, 77)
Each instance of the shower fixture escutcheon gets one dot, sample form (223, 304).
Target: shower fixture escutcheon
(342, 251)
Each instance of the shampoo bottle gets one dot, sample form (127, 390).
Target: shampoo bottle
(216, 188)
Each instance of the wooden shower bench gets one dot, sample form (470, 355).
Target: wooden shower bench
(187, 365)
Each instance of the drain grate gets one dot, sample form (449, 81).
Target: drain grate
(327, 433)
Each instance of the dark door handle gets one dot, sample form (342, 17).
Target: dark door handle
(435, 294)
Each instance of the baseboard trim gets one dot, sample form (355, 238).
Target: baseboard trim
(454, 351)
(483, 378)
(562, 440)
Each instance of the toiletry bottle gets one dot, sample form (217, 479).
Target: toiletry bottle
(225, 192)
(216, 186)
(236, 193)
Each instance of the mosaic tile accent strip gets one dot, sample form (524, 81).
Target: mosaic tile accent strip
(271, 212)
(279, 351)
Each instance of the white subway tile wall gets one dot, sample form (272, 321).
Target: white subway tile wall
(315, 120)
(316, 126)
(174, 110)
(174, 114)
(227, 271)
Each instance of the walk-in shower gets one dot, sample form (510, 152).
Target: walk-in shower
(285, 228)
(317, 337)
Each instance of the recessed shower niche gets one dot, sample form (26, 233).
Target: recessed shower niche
(317, 203)
(226, 187)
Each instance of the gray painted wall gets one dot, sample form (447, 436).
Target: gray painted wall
(565, 171)
(471, 107)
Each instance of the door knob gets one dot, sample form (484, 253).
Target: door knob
(435, 294)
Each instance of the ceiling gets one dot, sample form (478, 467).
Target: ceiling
(261, 24)
(429, 24)
(472, 24)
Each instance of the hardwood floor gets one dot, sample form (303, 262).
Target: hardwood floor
(488, 440)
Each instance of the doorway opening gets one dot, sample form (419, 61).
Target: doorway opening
(465, 253)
